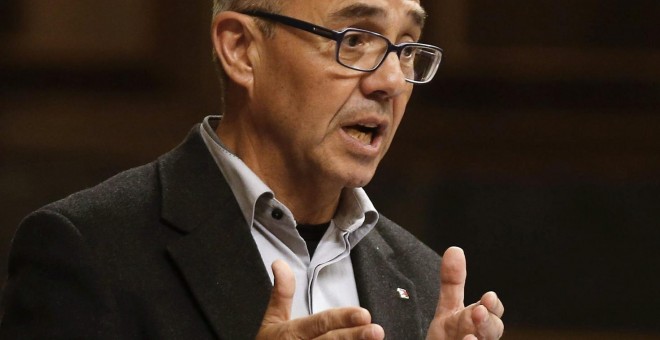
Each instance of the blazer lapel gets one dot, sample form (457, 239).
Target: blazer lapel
(389, 296)
(217, 255)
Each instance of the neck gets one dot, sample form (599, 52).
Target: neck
(311, 199)
(309, 207)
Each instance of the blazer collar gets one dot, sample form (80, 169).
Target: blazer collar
(216, 255)
(382, 288)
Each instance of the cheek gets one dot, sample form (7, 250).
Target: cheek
(398, 112)
(300, 88)
(399, 109)
(319, 100)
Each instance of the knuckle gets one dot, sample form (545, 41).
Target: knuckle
(293, 330)
(465, 324)
(492, 329)
(322, 323)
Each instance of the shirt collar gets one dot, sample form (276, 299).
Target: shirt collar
(354, 211)
(244, 183)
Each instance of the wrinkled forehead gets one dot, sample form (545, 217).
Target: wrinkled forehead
(337, 9)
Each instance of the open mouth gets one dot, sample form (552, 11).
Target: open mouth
(365, 134)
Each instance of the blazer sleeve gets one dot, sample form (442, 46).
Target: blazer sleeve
(54, 289)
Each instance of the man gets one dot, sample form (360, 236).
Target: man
(183, 247)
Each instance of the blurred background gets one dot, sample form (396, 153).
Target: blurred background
(536, 148)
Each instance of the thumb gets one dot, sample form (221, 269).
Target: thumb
(453, 273)
(281, 297)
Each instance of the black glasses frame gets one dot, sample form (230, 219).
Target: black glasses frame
(338, 36)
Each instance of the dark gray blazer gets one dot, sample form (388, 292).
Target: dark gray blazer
(162, 251)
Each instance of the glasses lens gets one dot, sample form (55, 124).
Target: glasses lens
(364, 51)
(361, 50)
(419, 63)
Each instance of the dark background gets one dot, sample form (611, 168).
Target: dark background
(536, 147)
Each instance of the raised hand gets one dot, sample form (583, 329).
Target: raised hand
(338, 323)
(481, 320)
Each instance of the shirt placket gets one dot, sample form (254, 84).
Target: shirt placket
(313, 272)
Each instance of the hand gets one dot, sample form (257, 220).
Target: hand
(481, 320)
(338, 323)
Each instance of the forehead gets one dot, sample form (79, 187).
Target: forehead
(345, 9)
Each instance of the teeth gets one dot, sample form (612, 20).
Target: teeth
(370, 126)
(364, 137)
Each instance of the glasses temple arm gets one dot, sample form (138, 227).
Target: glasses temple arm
(299, 24)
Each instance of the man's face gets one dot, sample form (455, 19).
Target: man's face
(325, 122)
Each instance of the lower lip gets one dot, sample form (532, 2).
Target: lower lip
(370, 150)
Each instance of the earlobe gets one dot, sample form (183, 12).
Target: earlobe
(231, 38)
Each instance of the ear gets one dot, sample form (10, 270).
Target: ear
(232, 38)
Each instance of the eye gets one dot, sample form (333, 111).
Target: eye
(408, 53)
(354, 40)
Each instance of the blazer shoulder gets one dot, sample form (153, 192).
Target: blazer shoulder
(132, 190)
(136, 191)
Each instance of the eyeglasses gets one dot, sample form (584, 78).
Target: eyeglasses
(366, 51)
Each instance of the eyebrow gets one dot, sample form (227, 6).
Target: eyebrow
(361, 10)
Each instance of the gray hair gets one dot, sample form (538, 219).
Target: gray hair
(273, 6)
(243, 5)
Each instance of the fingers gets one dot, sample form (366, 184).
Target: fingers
(365, 332)
(481, 320)
(281, 297)
(487, 325)
(475, 322)
(487, 317)
(349, 322)
(453, 273)
(492, 303)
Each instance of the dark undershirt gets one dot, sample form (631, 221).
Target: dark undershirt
(312, 234)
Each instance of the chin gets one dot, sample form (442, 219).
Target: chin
(357, 180)
(352, 172)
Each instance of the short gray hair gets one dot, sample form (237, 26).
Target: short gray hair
(243, 5)
(273, 6)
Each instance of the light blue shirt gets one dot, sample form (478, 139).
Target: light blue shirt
(324, 281)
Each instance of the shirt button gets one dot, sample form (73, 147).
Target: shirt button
(277, 213)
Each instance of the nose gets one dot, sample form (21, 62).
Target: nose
(387, 81)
